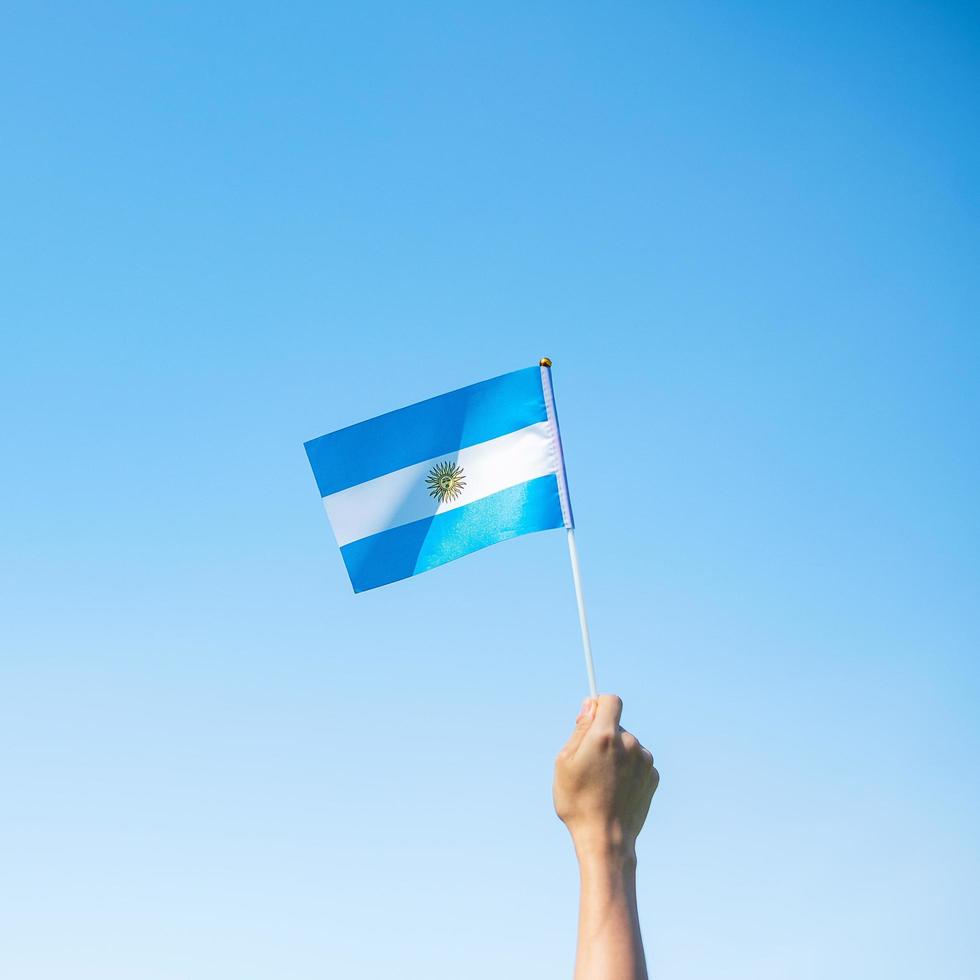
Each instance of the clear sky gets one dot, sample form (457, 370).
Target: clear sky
(748, 236)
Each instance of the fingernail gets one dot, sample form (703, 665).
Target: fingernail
(585, 710)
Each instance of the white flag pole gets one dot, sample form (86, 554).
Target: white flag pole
(566, 509)
(582, 620)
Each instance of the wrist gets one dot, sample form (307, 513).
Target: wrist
(607, 870)
(605, 848)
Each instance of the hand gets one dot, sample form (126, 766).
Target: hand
(604, 782)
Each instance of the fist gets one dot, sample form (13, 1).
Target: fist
(604, 780)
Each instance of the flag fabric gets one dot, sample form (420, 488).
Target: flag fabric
(429, 483)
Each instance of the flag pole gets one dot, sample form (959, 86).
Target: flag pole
(583, 622)
(566, 509)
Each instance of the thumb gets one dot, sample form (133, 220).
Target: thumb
(582, 724)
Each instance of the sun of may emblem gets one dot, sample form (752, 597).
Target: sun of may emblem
(445, 481)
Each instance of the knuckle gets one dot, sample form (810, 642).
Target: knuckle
(606, 740)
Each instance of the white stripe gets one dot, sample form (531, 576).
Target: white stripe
(402, 497)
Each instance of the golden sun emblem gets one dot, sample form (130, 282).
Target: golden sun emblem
(445, 481)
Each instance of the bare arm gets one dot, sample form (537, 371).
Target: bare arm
(604, 782)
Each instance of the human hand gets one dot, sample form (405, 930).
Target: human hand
(604, 782)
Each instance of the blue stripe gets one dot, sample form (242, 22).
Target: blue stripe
(412, 548)
(434, 427)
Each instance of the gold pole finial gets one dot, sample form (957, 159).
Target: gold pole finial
(545, 362)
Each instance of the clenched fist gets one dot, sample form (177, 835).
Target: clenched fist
(604, 781)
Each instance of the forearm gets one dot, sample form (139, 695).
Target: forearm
(609, 943)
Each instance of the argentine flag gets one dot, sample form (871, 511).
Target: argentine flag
(420, 486)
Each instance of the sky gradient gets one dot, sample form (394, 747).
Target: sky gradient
(748, 237)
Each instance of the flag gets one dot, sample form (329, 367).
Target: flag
(429, 483)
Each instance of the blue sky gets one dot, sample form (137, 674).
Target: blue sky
(746, 234)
